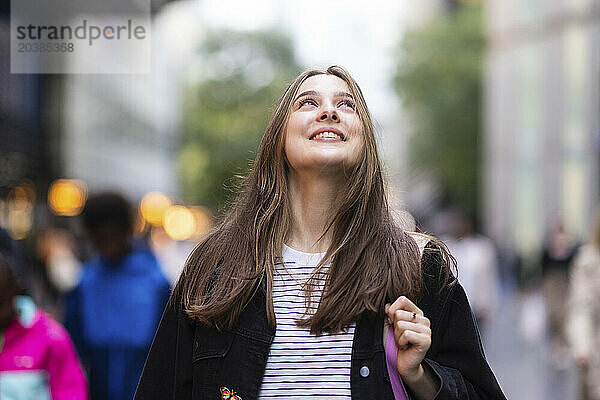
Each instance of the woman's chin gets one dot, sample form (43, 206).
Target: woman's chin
(325, 165)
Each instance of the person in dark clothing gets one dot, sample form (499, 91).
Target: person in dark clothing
(9, 248)
(113, 312)
(557, 256)
(308, 287)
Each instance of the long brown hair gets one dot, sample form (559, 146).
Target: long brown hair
(373, 261)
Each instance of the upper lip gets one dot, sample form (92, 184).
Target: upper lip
(321, 130)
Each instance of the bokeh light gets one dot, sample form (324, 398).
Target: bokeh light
(179, 223)
(153, 207)
(66, 197)
(20, 203)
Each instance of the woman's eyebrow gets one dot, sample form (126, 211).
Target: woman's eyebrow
(343, 94)
(315, 93)
(307, 93)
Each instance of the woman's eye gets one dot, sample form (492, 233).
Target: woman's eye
(348, 103)
(304, 102)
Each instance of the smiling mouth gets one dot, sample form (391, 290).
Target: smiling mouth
(329, 136)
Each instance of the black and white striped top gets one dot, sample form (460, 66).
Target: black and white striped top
(301, 365)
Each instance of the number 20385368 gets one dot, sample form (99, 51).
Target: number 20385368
(46, 47)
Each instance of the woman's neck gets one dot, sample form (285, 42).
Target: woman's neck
(312, 199)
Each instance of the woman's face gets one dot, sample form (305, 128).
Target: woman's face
(324, 130)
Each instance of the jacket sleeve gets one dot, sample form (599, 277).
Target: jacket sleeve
(167, 374)
(67, 381)
(456, 354)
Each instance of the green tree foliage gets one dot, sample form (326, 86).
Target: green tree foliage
(439, 78)
(243, 74)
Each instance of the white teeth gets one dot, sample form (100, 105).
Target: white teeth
(327, 135)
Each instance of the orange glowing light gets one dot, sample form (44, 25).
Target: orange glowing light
(179, 223)
(66, 197)
(153, 207)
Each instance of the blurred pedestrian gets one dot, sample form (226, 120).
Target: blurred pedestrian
(557, 256)
(478, 268)
(583, 322)
(9, 248)
(37, 358)
(308, 278)
(113, 312)
(57, 269)
(57, 250)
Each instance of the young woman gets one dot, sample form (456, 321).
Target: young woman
(307, 283)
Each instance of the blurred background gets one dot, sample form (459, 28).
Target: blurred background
(487, 113)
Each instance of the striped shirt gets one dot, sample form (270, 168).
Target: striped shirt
(301, 365)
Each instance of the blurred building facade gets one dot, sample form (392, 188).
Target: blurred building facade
(24, 143)
(542, 123)
(21, 140)
(120, 131)
(111, 131)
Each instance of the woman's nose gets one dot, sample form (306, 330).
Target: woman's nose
(329, 113)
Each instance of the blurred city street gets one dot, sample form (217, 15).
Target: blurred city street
(523, 366)
(486, 117)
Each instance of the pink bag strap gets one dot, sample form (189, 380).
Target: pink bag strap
(391, 359)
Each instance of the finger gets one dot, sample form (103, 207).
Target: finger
(410, 326)
(401, 340)
(403, 303)
(411, 338)
(388, 320)
(400, 327)
(402, 315)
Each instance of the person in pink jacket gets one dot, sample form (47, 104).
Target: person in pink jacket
(37, 359)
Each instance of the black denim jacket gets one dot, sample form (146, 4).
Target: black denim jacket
(190, 361)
